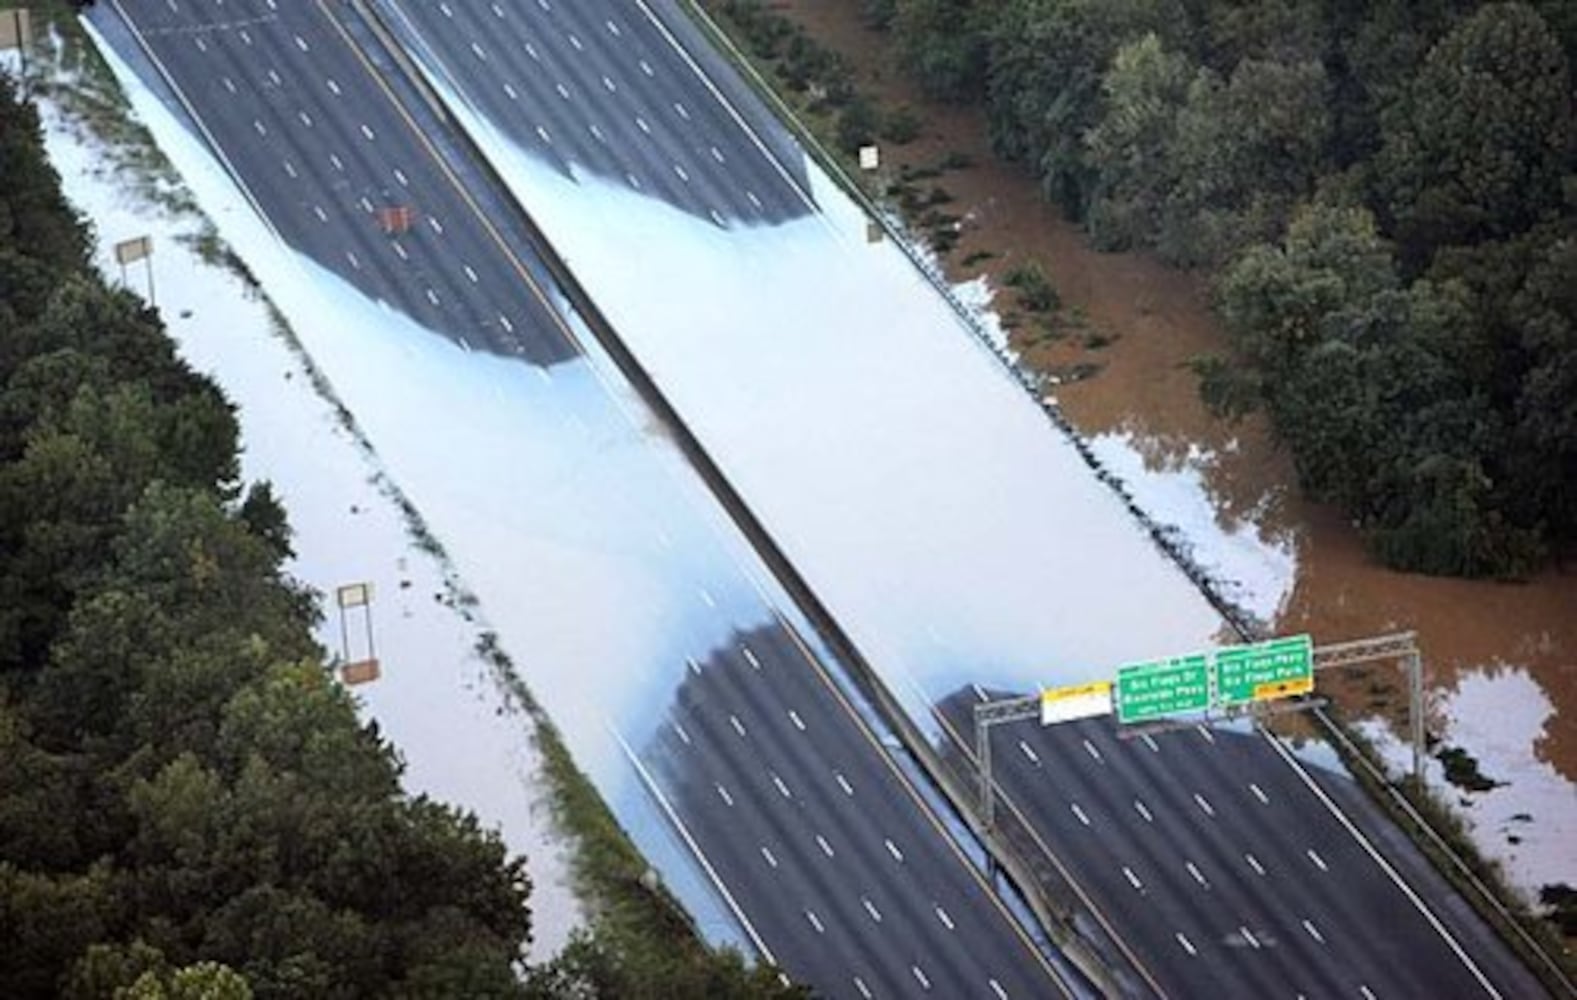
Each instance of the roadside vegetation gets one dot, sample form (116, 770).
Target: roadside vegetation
(1385, 197)
(188, 803)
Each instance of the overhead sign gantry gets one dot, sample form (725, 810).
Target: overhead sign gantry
(1229, 677)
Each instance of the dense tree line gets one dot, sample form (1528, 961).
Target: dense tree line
(188, 804)
(1385, 194)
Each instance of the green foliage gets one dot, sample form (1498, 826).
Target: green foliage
(878, 13)
(1561, 899)
(265, 518)
(46, 920)
(799, 61)
(942, 45)
(858, 124)
(1363, 376)
(1196, 167)
(1035, 292)
(1287, 31)
(1478, 143)
(901, 126)
(202, 981)
(1045, 64)
(1132, 148)
(1245, 152)
(1230, 391)
(35, 220)
(1462, 770)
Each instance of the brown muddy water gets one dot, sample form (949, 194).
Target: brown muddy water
(1500, 659)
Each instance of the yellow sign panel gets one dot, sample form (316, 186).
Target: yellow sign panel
(1076, 691)
(1076, 701)
(1283, 689)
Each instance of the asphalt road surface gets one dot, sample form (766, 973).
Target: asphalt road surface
(313, 139)
(618, 88)
(770, 767)
(781, 790)
(1232, 875)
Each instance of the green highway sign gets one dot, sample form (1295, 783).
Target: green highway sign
(1275, 669)
(1163, 687)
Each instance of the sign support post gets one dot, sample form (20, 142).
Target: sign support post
(356, 595)
(1399, 646)
(132, 250)
(988, 714)
(21, 26)
(18, 32)
(1415, 709)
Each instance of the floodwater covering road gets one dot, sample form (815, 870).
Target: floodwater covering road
(610, 573)
(901, 467)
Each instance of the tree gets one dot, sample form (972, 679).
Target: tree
(105, 969)
(57, 511)
(46, 921)
(1289, 31)
(1278, 300)
(33, 212)
(1046, 61)
(1131, 148)
(202, 981)
(263, 515)
(1364, 379)
(941, 44)
(1477, 147)
(36, 788)
(1545, 411)
(1246, 152)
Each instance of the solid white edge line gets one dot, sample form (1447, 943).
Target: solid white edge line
(191, 112)
(1385, 866)
(684, 833)
(727, 106)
